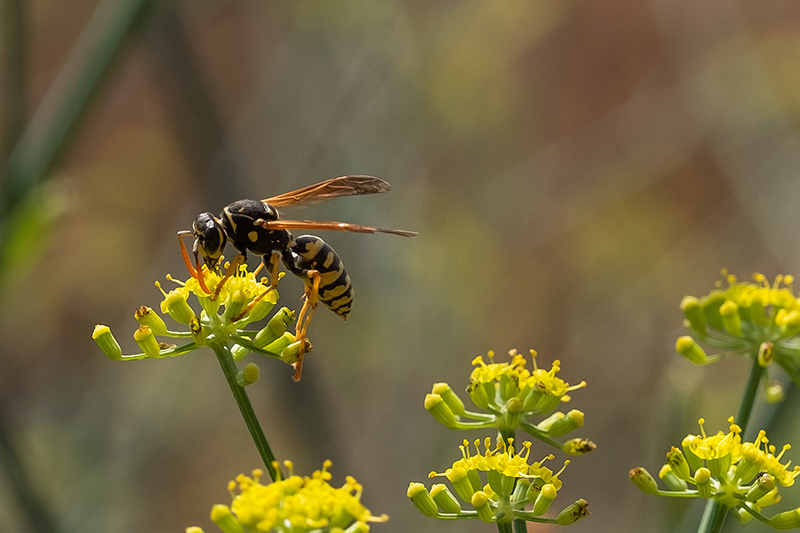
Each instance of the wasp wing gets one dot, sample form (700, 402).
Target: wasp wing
(330, 225)
(329, 189)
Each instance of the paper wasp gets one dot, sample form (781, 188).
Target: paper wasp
(255, 226)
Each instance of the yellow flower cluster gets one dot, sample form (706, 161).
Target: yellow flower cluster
(756, 319)
(295, 504)
(241, 301)
(511, 483)
(740, 475)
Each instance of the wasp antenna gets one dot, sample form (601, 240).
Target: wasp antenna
(185, 253)
(195, 271)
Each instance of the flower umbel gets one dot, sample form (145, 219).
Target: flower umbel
(242, 301)
(497, 485)
(508, 394)
(294, 505)
(756, 319)
(742, 476)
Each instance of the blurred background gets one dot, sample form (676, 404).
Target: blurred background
(573, 169)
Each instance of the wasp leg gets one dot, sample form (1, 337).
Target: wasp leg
(274, 262)
(230, 272)
(195, 271)
(253, 303)
(304, 319)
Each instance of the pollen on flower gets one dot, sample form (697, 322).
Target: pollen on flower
(307, 503)
(496, 479)
(715, 446)
(741, 318)
(501, 458)
(543, 381)
(767, 461)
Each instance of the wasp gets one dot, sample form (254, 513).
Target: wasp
(255, 226)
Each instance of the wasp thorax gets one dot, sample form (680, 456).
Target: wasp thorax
(210, 238)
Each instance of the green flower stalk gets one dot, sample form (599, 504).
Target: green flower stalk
(741, 477)
(509, 395)
(293, 505)
(496, 486)
(225, 325)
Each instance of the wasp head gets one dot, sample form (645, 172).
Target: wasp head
(210, 238)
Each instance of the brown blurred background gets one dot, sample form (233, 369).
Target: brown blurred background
(573, 168)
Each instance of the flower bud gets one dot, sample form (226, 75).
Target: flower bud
(731, 321)
(263, 306)
(673, 482)
(234, 305)
(642, 479)
(763, 484)
(223, 517)
(565, 423)
(105, 340)
(578, 446)
(702, 478)
(749, 465)
(276, 327)
(147, 341)
(248, 376)
(357, 527)
(544, 499)
(480, 501)
(711, 305)
(176, 306)
(420, 497)
(445, 499)
(194, 529)
(440, 410)
(509, 387)
(573, 513)
(770, 498)
(511, 412)
(694, 313)
(281, 343)
(786, 520)
(449, 396)
(765, 353)
(480, 394)
(147, 317)
(461, 482)
(789, 322)
(291, 353)
(677, 462)
(694, 461)
(774, 392)
(687, 347)
(519, 496)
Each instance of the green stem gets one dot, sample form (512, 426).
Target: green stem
(749, 399)
(45, 136)
(225, 359)
(715, 512)
(504, 527)
(519, 524)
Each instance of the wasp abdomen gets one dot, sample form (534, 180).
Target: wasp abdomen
(335, 291)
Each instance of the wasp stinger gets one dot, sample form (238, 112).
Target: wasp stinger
(255, 226)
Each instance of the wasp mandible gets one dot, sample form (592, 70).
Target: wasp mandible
(255, 226)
